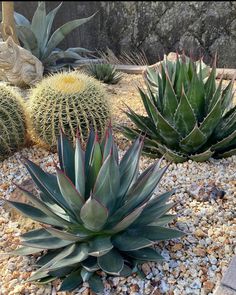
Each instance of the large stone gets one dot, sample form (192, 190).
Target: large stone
(18, 66)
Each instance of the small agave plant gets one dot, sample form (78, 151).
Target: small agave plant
(106, 73)
(97, 214)
(188, 116)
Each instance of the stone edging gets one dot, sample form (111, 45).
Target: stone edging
(133, 69)
(228, 282)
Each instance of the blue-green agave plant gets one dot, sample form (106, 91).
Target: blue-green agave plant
(97, 213)
(38, 39)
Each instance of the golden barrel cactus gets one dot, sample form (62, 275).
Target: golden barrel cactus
(67, 101)
(12, 121)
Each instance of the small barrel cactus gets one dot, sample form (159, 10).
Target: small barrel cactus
(12, 121)
(67, 101)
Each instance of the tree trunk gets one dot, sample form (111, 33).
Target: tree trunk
(8, 27)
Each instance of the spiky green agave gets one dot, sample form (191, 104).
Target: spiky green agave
(37, 38)
(98, 213)
(188, 117)
(104, 72)
(151, 76)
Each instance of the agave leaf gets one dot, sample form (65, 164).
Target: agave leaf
(41, 206)
(143, 188)
(100, 246)
(131, 134)
(78, 50)
(109, 145)
(128, 166)
(95, 164)
(128, 220)
(38, 275)
(201, 157)
(210, 87)
(21, 19)
(224, 143)
(47, 183)
(112, 262)
(172, 155)
(163, 220)
(38, 24)
(85, 274)
(89, 149)
(107, 183)
(57, 55)
(59, 254)
(146, 254)
(143, 123)
(96, 284)
(79, 169)
(66, 156)
(69, 193)
(90, 264)
(79, 254)
(46, 280)
(127, 242)
(155, 233)
(71, 282)
(64, 235)
(61, 32)
(193, 141)
(227, 96)
(47, 243)
(62, 272)
(126, 271)
(212, 119)
(47, 200)
(170, 102)
(153, 213)
(167, 132)
(182, 80)
(36, 234)
(49, 21)
(35, 213)
(226, 125)
(146, 102)
(28, 38)
(94, 215)
(184, 117)
(24, 251)
(215, 98)
(161, 199)
(46, 258)
(226, 154)
(196, 97)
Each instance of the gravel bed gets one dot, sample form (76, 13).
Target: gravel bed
(193, 264)
(205, 209)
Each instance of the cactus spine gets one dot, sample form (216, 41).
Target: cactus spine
(12, 121)
(68, 101)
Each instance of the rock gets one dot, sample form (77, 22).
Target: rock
(18, 66)
(199, 251)
(146, 268)
(199, 233)
(206, 191)
(177, 247)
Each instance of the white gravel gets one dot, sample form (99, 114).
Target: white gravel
(194, 264)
